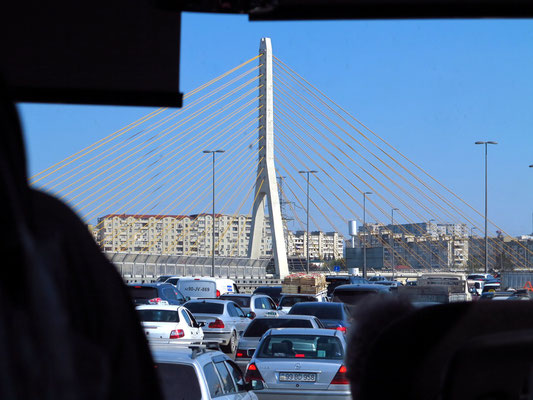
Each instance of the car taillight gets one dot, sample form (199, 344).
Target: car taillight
(218, 293)
(155, 300)
(217, 324)
(253, 374)
(241, 353)
(341, 328)
(177, 333)
(340, 377)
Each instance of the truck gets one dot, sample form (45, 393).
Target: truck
(437, 288)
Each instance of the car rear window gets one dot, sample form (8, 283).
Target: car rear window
(258, 327)
(143, 292)
(273, 292)
(178, 381)
(320, 310)
(205, 308)
(301, 347)
(242, 301)
(352, 297)
(159, 315)
(289, 301)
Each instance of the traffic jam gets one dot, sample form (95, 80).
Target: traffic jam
(280, 342)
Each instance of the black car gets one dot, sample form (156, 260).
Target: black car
(155, 293)
(352, 294)
(273, 291)
(337, 280)
(332, 315)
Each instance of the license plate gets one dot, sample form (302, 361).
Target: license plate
(297, 377)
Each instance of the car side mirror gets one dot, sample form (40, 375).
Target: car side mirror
(250, 315)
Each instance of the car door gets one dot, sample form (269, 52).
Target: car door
(215, 384)
(194, 331)
(242, 320)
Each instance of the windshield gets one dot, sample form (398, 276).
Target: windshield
(352, 296)
(205, 308)
(258, 327)
(289, 301)
(143, 293)
(158, 315)
(243, 301)
(322, 311)
(301, 346)
(178, 381)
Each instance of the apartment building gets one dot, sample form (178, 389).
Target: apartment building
(192, 235)
(322, 245)
(179, 234)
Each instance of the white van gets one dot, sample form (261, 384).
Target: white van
(196, 287)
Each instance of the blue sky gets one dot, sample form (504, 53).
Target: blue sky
(431, 88)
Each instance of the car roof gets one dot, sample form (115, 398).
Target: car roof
(297, 295)
(318, 304)
(155, 284)
(180, 353)
(286, 316)
(356, 287)
(216, 301)
(158, 307)
(203, 278)
(243, 295)
(303, 331)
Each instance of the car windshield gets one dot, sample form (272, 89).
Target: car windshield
(143, 292)
(321, 311)
(301, 347)
(203, 307)
(243, 301)
(178, 381)
(158, 315)
(352, 296)
(289, 301)
(258, 327)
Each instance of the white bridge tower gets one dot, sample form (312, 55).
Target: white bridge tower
(266, 185)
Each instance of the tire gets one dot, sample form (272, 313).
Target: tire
(231, 347)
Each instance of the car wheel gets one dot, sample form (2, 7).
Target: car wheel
(231, 346)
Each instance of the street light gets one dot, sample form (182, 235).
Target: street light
(486, 233)
(307, 238)
(364, 233)
(392, 240)
(213, 152)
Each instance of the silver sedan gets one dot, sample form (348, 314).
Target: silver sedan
(224, 321)
(300, 363)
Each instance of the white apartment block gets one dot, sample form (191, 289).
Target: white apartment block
(179, 234)
(322, 245)
(191, 235)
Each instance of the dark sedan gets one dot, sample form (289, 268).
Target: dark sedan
(155, 293)
(332, 315)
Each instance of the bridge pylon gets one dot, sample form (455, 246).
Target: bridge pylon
(266, 185)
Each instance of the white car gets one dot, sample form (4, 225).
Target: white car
(170, 324)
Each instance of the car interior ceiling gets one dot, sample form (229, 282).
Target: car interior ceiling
(453, 351)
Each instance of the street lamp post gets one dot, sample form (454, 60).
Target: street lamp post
(213, 152)
(486, 143)
(307, 172)
(364, 233)
(392, 241)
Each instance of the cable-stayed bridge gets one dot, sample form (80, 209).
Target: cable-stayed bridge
(147, 187)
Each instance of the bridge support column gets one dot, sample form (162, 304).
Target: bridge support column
(266, 186)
